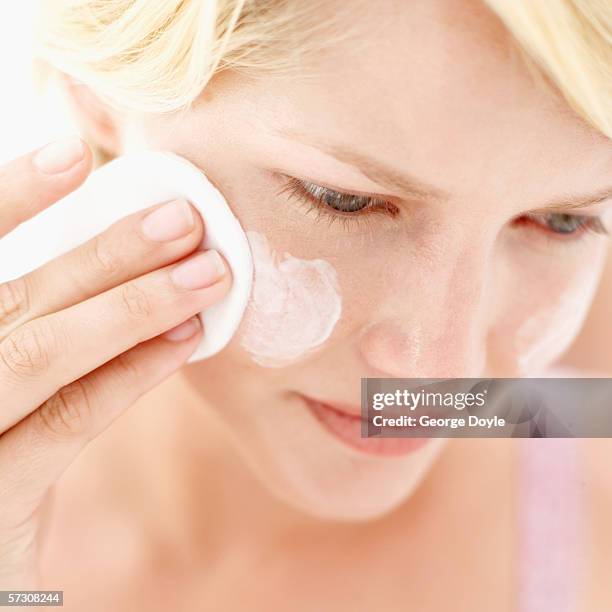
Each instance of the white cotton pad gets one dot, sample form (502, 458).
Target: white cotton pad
(141, 179)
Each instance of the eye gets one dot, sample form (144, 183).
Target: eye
(333, 202)
(565, 225)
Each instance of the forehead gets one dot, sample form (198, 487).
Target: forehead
(436, 88)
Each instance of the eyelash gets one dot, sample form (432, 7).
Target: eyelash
(313, 196)
(317, 197)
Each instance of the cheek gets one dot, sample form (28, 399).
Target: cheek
(548, 332)
(294, 307)
(542, 323)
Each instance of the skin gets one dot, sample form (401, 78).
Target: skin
(591, 351)
(245, 487)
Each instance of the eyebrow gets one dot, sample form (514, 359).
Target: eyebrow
(570, 202)
(374, 170)
(414, 187)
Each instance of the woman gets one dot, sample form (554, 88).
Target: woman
(460, 192)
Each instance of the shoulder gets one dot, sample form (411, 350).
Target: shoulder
(597, 526)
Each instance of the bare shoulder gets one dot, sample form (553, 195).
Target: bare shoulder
(597, 481)
(598, 473)
(96, 546)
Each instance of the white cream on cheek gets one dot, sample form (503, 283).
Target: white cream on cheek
(543, 337)
(294, 307)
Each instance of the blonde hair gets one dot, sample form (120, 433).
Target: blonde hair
(159, 56)
(571, 41)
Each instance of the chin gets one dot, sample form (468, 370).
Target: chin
(309, 463)
(323, 477)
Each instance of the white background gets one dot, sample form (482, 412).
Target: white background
(26, 120)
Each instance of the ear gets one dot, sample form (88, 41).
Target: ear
(99, 123)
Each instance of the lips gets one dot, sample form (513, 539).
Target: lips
(345, 423)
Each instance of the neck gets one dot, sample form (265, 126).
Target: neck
(203, 499)
(200, 488)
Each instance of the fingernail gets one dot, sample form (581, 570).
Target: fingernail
(59, 156)
(184, 331)
(168, 222)
(202, 270)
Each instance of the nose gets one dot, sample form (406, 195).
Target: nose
(432, 324)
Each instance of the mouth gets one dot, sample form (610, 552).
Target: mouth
(345, 423)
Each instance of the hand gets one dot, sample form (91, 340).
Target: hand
(85, 335)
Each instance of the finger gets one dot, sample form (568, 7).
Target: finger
(47, 353)
(133, 246)
(35, 452)
(36, 180)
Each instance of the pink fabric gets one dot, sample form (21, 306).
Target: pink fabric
(550, 525)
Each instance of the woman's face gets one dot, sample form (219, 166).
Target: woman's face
(456, 257)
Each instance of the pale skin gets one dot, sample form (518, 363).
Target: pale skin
(218, 489)
(591, 349)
